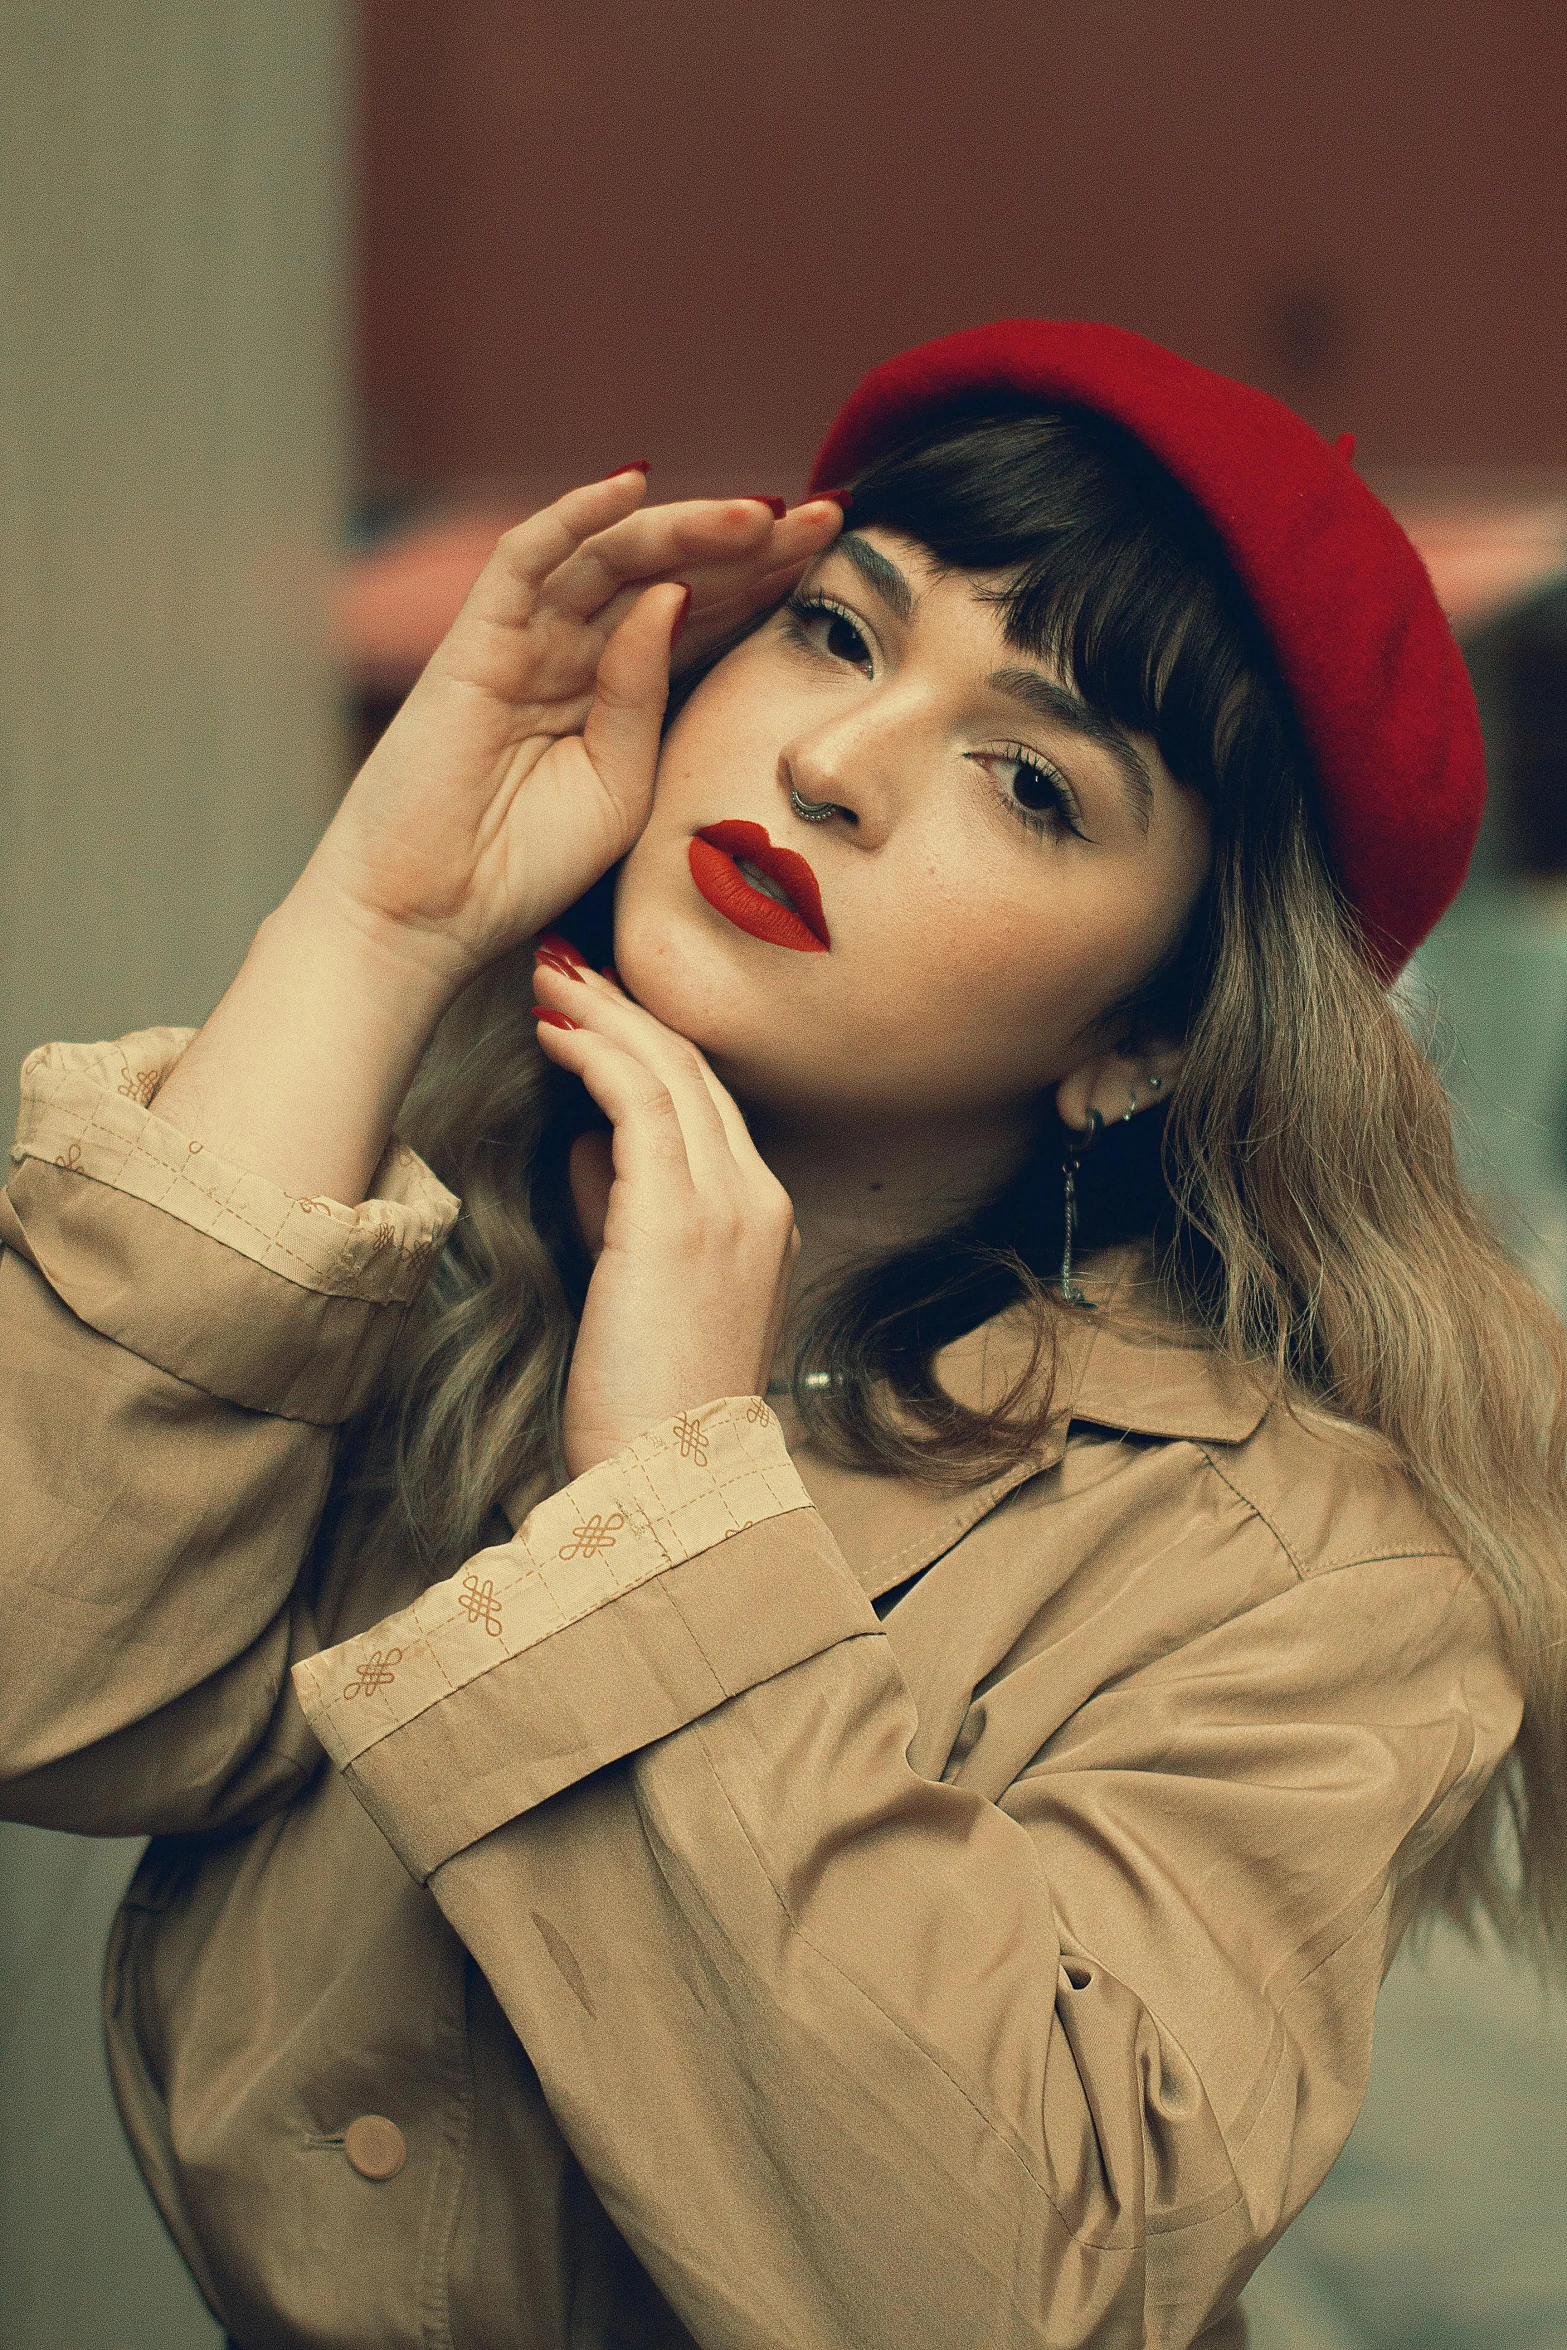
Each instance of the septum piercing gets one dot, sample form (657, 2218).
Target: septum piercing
(812, 811)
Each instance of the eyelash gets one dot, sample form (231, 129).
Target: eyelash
(1048, 822)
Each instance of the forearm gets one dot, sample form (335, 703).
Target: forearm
(300, 1071)
(179, 1342)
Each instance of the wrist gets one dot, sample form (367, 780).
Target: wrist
(300, 1071)
(402, 972)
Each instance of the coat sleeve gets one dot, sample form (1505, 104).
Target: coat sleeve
(859, 2060)
(178, 1345)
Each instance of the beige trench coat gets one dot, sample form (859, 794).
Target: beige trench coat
(750, 1904)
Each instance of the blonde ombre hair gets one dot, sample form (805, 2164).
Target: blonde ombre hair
(1300, 1193)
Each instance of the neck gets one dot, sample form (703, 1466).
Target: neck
(863, 1185)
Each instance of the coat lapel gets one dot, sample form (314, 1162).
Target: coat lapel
(1116, 1367)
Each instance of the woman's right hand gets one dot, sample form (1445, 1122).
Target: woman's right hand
(521, 765)
(517, 771)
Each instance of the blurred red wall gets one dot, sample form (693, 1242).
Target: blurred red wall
(681, 232)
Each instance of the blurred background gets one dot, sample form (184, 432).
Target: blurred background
(301, 302)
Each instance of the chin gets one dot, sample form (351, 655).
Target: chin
(730, 1004)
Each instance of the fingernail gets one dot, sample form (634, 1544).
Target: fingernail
(838, 497)
(560, 950)
(556, 963)
(637, 465)
(681, 618)
(609, 972)
(780, 506)
(553, 1019)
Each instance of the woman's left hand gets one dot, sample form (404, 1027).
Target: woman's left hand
(692, 1234)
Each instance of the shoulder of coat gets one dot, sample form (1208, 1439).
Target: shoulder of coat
(1332, 1492)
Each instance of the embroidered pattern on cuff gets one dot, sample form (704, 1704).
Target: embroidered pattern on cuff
(674, 1491)
(84, 1108)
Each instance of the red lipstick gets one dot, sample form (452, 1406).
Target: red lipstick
(715, 857)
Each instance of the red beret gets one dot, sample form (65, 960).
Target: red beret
(1377, 683)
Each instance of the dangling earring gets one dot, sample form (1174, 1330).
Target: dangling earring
(1076, 1148)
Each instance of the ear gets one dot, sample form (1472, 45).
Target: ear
(1118, 1084)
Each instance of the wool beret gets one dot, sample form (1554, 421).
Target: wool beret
(1376, 681)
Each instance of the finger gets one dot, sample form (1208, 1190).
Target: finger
(672, 1060)
(726, 606)
(732, 1117)
(507, 589)
(648, 1147)
(622, 728)
(696, 532)
(717, 539)
(728, 592)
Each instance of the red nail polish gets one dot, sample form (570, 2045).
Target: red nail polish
(550, 942)
(838, 497)
(613, 976)
(553, 1019)
(637, 465)
(557, 963)
(758, 498)
(681, 618)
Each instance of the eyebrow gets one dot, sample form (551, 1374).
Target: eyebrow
(874, 568)
(1056, 704)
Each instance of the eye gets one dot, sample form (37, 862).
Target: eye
(822, 626)
(1037, 793)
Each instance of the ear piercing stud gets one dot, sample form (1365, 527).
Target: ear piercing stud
(1153, 1081)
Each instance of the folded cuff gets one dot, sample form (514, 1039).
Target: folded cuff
(641, 1596)
(284, 1304)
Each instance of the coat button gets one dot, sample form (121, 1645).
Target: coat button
(376, 2147)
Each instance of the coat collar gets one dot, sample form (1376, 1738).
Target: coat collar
(1122, 1366)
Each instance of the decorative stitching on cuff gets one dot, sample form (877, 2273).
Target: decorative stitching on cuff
(676, 1490)
(85, 1109)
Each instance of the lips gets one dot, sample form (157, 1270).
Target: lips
(713, 858)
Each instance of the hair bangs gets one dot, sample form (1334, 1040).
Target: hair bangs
(1109, 572)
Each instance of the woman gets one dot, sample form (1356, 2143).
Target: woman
(913, 1866)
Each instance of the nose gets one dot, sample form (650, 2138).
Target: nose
(849, 770)
(816, 775)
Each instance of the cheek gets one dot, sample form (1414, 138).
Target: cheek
(675, 960)
(1048, 941)
(976, 986)
(981, 997)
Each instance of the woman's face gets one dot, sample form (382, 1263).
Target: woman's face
(1007, 866)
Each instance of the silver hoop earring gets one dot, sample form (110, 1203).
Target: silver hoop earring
(1076, 1149)
(812, 811)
